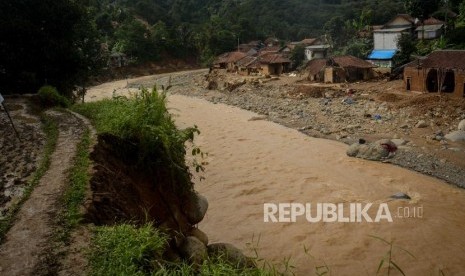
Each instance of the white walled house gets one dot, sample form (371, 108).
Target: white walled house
(429, 31)
(385, 39)
(316, 51)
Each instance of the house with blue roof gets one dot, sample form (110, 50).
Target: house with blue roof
(385, 39)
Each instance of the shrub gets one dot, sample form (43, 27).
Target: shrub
(49, 96)
(145, 122)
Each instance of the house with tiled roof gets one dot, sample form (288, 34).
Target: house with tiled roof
(339, 69)
(314, 48)
(432, 28)
(228, 60)
(269, 63)
(440, 72)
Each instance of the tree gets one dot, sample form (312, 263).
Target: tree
(297, 56)
(421, 9)
(134, 39)
(407, 48)
(461, 17)
(44, 42)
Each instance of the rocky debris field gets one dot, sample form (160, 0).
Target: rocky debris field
(18, 157)
(418, 124)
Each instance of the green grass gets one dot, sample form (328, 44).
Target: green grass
(75, 192)
(125, 249)
(128, 250)
(144, 121)
(50, 129)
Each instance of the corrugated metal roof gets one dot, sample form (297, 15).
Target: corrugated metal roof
(382, 54)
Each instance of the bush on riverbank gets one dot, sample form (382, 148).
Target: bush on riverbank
(145, 122)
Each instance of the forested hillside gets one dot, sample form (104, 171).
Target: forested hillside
(208, 27)
(63, 42)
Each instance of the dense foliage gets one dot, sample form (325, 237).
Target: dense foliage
(45, 42)
(63, 42)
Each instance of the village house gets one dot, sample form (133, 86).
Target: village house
(432, 28)
(251, 48)
(314, 48)
(269, 63)
(339, 69)
(117, 60)
(245, 68)
(315, 69)
(271, 41)
(440, 72)
(227, 60)
(385, 39)
(316, 51)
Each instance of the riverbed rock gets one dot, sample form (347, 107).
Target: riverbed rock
(199, 234)
(421, 124)
(231, 254)
(400, 196)
(399, 142)
(195, 208)
(462, 125)
(193, 250)
(375, 151)
(455, 136)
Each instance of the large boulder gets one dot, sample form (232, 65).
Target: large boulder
(231, 254)
(195, 208)
(455, 136)
(376, 151)
(200, 235)
(193, 250)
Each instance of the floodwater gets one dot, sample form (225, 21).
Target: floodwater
(252, 162)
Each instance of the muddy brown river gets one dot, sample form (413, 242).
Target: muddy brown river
(254, 162)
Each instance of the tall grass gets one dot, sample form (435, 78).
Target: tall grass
(145, 122)
(125, 250)
(128, 250)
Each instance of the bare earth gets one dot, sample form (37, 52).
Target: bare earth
(29, 239)
(252, 162)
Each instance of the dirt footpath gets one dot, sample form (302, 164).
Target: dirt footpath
(28, 240)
